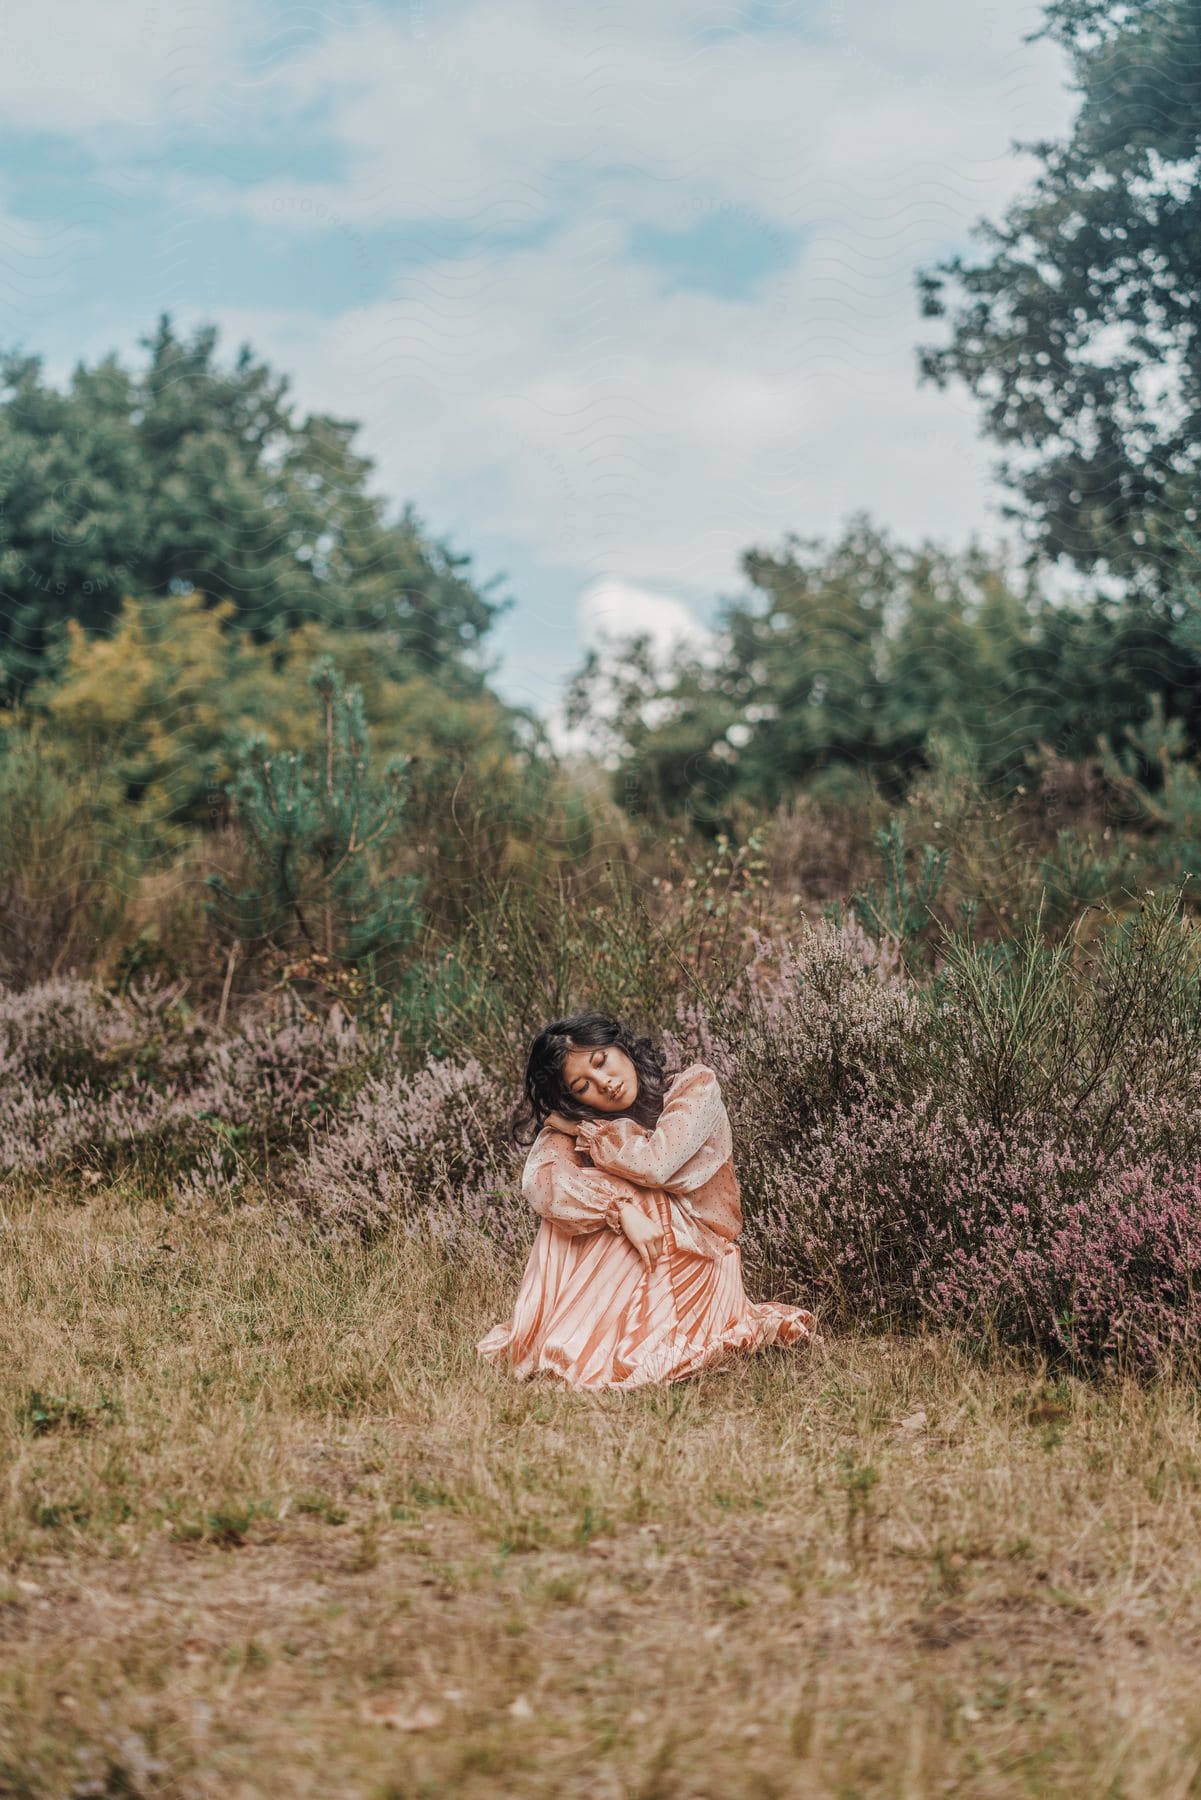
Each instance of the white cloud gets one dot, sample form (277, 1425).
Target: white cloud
(498, 116)
(87, 71)
(610, 609)
(561, 398)
(559, 394)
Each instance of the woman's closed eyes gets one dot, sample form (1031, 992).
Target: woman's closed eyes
(579, 1086)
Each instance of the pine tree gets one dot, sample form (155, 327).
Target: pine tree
(313, 841)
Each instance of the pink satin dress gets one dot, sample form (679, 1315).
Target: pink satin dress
(587, 1311)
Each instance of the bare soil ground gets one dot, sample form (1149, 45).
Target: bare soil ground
(271, 1529)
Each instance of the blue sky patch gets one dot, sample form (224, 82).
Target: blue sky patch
(727, 250)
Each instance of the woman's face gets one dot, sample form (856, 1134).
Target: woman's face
(601, 1076)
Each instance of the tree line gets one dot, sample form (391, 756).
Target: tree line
(179, 547)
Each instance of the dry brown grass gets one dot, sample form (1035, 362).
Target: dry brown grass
(271, 1529)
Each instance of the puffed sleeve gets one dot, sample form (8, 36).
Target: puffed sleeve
(561, 1187)
(691, 1114)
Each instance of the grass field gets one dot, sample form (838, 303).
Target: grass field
(270, 1528)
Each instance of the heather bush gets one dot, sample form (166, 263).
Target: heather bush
(430, 1143)
(923, 1214)
(280, 1083)
(812, 1025)
(63, 1030)
(80, 1129)
(1011, 1148)
(98, 1081)
(1113, 1271)
(1014, 1148)
(67, 1031)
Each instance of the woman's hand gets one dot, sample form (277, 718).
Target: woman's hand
(645, 1234)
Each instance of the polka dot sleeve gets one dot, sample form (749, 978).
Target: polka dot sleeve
(562, 1188)
(691, 1113)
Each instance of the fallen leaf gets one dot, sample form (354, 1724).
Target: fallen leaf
(1047, 1412)
(399, 1712)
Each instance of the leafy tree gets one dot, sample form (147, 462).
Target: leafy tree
(861, 651)
(1080, 333)
(662, 728)
(840, 664)
(187, 474)
(806, 654)
(165, 702)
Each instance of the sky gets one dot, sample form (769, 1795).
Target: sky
(618, 291)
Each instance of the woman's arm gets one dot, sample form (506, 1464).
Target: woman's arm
(690, 1116)
(576, 1198)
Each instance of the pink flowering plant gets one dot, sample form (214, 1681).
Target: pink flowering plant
(1010, 1147)
(91, 1081)
(413, 1145)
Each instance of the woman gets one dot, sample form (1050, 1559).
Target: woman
(634, 1275)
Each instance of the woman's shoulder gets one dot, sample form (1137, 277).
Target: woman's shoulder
(695, 1074)
(545, 1141)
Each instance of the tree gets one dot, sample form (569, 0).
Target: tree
(188, 474)
(315, 841)
(661, 723)
(1081, 333)
(806, 654)
(845, 659)
(165, 702)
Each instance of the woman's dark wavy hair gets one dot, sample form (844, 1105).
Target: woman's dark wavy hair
(546, 1089)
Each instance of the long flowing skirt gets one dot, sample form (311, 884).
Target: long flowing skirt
(589, 1313)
